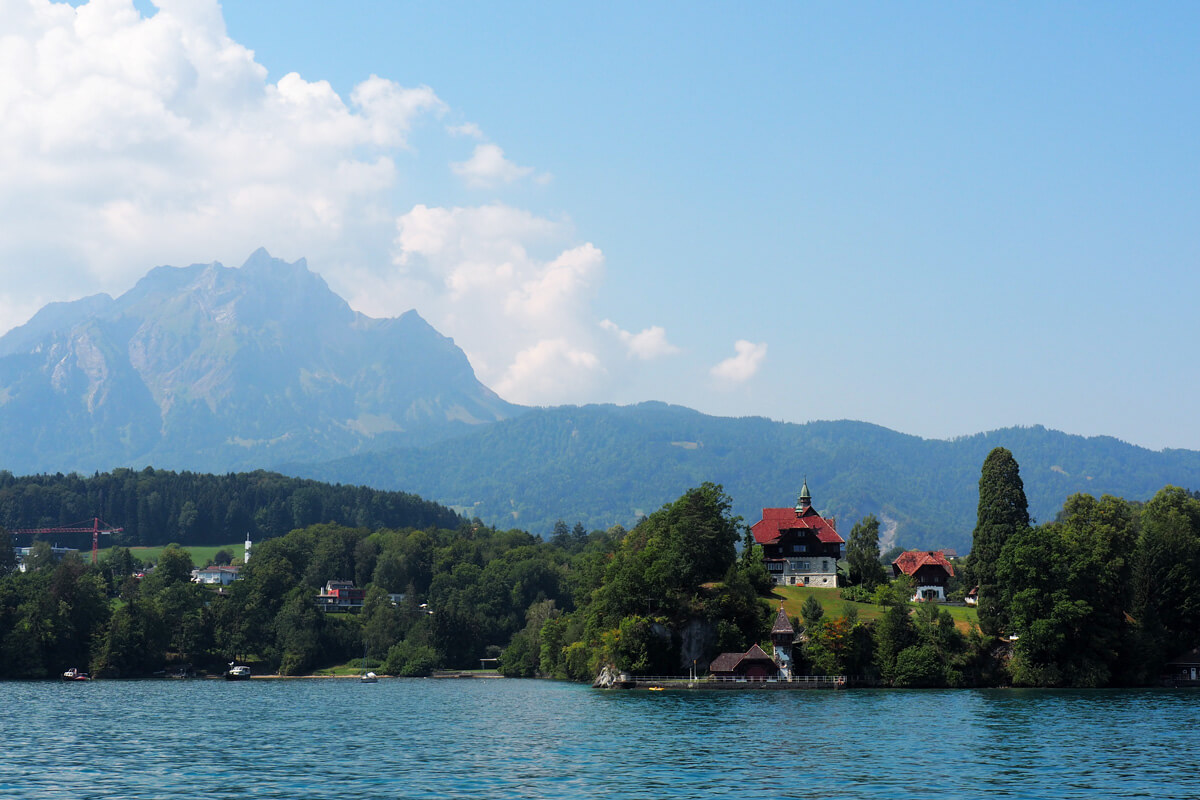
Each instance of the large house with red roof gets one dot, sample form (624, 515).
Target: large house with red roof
(800, 547)
(930, 571)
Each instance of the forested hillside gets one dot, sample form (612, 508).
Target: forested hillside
(606, 465)
(158, 506)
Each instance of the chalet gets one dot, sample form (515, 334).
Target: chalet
(752, 665)
(930, 571)
(340, 596)
(800, 547)
(216, 576)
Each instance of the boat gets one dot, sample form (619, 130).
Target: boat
(237, 672)
(75, 675)
(367, 677)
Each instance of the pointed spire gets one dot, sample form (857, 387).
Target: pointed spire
(782, 625)
(804, 502)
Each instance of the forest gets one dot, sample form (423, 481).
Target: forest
(1103, 595)
(156, 507)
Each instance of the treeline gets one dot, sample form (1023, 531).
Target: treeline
(481, 581)
(156, 507)
(1104, 595)
(673, 592)
(673, 588)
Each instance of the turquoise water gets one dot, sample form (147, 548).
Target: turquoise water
(531, 739)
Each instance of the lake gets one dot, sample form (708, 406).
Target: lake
(537, 739)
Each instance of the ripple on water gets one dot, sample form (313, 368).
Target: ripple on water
(530, 739)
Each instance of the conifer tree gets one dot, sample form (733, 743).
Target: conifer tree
(1003, 511)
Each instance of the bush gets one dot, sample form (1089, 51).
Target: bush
(857, 594)
(407, 660)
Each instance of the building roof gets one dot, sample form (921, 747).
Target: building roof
(911, 561)
(782, 624)
(726, 662)
(775, 521)
(756, 653)
(1188, 659)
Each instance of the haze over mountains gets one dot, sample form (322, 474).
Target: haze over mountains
(212, 368)
(208, 368)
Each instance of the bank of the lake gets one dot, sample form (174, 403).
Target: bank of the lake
(534, 739)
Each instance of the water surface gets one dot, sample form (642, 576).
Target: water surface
(538, 739)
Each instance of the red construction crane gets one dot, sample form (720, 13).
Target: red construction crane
(98, 527)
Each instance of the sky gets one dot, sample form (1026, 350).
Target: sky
(943, 218)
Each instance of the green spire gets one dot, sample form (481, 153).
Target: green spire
(805, 500)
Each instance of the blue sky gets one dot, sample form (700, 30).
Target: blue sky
(942, 218)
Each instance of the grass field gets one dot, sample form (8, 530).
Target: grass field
(793, 598)
(201, 554)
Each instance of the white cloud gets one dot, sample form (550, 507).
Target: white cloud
(743, 366)
(648, 344)
(469, 129)
(127, 142)
(552, 370)
(488, 167)
(513, 289)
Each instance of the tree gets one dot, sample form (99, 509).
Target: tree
(1003, 511)
(8, 556)
(862, 553)
(1065, 588)
(1166, 576)
(812, 611)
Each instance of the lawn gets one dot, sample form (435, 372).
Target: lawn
(201, 554)
(793, 598)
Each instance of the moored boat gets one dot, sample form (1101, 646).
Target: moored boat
(237, 672)
(75, 675)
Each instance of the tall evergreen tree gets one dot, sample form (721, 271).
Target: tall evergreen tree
(1003, 511)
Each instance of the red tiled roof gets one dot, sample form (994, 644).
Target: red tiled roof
(911, 561)
(777, 520)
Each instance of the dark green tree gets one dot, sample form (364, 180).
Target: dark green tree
(862, 553)
(1003, 512)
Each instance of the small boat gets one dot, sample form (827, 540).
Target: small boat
(237, 672)
(367, 677)
(75, 675)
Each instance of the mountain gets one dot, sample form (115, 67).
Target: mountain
(604, 464)
(213, 368)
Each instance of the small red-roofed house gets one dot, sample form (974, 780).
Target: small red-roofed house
(800, 547)
(930, 571)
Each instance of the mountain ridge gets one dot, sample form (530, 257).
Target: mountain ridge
(213, 367)
(604, 465)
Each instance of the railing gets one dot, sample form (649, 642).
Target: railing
(819, 680)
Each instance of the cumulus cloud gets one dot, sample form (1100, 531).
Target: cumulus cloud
(513, 288)
(648, 344)
(488, 167)
(547, 368)
(743, 366)
(469, 129)
(128, 141)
